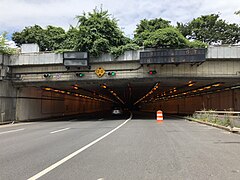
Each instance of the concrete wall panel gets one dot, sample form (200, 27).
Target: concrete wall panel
(7, 102)
(33, 103)
(225, 100)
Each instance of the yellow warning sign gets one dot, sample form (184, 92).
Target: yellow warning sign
(100, 72)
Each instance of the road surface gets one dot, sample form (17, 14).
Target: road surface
(118, 148)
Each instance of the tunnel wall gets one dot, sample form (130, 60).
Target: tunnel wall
(224, 100)
(34, 103)
(7, 102)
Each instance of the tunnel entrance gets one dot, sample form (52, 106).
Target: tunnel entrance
(171, 95)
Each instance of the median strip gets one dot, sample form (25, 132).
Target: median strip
(60, 130)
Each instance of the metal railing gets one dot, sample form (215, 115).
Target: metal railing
(224, 118)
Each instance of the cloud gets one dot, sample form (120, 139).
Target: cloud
(17, 14)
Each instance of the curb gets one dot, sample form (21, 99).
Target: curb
(8, 122)
(232, 130)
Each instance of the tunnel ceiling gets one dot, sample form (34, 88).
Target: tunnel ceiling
(130, 91)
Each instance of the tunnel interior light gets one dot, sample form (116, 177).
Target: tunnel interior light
(102, 99)
(103, 86)
(113, 93)
(47, 89)
(235, 87)
(216, 85)
(156, 86)
(191, 83)
(195, 92)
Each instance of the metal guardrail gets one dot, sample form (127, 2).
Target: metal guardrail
(225, 118)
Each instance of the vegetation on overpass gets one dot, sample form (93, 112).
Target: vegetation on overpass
(97, 32)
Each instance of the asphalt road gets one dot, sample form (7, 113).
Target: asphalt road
(139, 149)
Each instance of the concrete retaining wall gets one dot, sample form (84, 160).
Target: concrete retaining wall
(219, 101)
(33, 103)
(7, 102)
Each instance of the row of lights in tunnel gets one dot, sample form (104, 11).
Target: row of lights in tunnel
(156, 86)
(169, 94)
(194, 92)
(104, 86)
(101, 98)
(76, 87)
(203, 90)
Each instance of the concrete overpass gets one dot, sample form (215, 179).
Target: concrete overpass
(175, 88)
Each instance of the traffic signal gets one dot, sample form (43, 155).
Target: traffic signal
(79, 74)
(112, 73)
(47, 75)
(152, 72)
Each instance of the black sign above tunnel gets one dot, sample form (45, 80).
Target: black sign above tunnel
(173, 56)
(76, 59)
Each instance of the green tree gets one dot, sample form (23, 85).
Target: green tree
(53, 38)
(48, 39)
(71, 37)
(169, 37)
(160, 33)
(32, 34)
(209, 29)
(4, 49)
(98, 33)
(146, 27)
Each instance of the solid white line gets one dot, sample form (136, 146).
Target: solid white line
(11, 131)
(50, 168)
(59, 130)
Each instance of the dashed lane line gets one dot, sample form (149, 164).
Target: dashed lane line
(16, 130)
(50, 168)
(60, 130)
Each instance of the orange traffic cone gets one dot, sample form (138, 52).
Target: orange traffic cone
(159, 116)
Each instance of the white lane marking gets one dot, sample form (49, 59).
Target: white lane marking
(13, 125)
(16, 130)
(60, 130)
(101, 119)
(50, 168)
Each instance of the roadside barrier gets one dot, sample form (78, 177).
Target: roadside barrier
(231, 118)
(159, 116)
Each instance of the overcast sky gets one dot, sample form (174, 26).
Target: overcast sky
(16, 14)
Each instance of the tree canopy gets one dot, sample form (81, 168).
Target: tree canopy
(210, 29)
(160, 33)
(97, 32)
(48, 39)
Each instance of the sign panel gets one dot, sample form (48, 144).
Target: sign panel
(76, 59)
(100, 72)
(173, 56)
